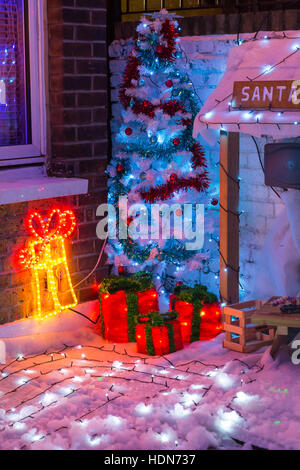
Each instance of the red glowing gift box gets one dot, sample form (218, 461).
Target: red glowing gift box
(158, 334)
(122, 300)
(199, 313)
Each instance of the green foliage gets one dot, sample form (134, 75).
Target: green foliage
(158, 319)
(101, 318)
(138, 282)
(132, 311)
(196, 293)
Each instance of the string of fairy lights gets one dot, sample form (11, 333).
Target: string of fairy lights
(65, 364)
(258, 120)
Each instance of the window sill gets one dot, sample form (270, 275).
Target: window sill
(14, 190)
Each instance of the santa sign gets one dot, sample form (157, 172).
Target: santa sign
(2, 92)
(280, 94)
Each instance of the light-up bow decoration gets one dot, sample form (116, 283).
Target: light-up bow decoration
(46, 257)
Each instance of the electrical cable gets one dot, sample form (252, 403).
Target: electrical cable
(84, 316)
(96, 266)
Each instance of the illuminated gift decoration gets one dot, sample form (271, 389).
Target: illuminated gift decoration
(121, 300)
(119, 312)
(201, 322)
(46, 257)
(158, 334)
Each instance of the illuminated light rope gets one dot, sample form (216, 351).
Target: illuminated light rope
(64, 353)
(39, 256)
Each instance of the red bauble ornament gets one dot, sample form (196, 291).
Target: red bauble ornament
(121, 270)
(159, 49)
(176, 141)
(120, 168)
(173, 177)
(179, 283)
(129, 220)
(169, 83)
(128, 131)
(215, 202)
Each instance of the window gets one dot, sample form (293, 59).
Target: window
(22, 119)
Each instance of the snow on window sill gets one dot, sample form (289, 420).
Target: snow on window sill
(22, 186)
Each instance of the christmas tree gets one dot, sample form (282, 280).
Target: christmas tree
(158, 161)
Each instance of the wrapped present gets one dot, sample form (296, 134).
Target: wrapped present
(199, 312)
(122, 300)
(158, 334)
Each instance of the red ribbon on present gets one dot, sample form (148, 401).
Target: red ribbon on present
(59, 224)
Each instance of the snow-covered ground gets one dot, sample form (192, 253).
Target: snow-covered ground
(63, 387)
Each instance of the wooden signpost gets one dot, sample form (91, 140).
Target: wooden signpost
(229, 219)
(279, 94)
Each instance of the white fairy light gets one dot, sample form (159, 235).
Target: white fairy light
(208, 115)
(143, 409)
(164, 437)
(247, 115)
(22, 381)
(78, 379)
(267, 69)
(191, 398)
(117, 364)
(48, 398)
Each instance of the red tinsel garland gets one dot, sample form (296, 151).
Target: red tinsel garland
(131, 73)
(169, 33)
(198, 158)
(165, 191)
(172, 107)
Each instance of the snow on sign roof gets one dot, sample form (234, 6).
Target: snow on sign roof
(268, 57)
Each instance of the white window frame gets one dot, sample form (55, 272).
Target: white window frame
(35, 152)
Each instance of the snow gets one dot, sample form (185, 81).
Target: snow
(64, 387)
(270, 57)
(278, 271)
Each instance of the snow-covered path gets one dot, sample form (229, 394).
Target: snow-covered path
(88, 394)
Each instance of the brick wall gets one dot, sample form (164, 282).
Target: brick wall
(232, 23)
(78, 112)
(78, 146)
(208, 57)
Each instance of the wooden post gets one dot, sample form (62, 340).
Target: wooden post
(229, 219)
